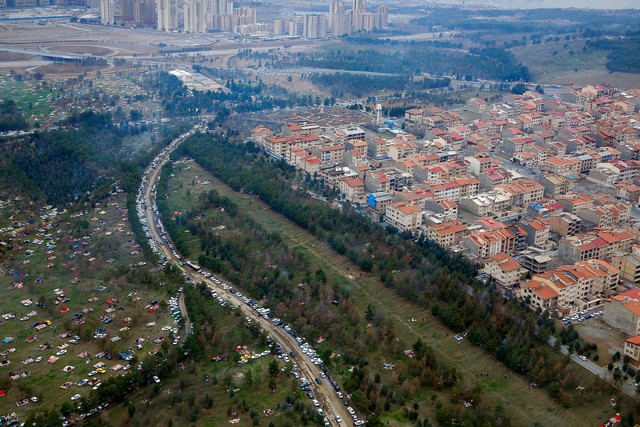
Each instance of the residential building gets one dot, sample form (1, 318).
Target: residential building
(404, 217)
(628, 265)
(535, 262)
(522, 192)
(107, 12)
(622, 312)
(565, 224)
(167, 15)
(556, 185)
(600, 244)
(537, 232)
(628, 190)
(379, 201)
(447, 234)
(445, 208)
(571, 288)
(632, 350)
(352, 188)
(504, 270)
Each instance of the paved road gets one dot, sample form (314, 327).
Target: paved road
(324, 392)
(185, 315)
(595, 369)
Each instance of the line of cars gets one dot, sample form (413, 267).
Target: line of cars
(581, 317)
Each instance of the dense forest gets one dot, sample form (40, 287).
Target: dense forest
(544, 21)
(83, 155)
(341, 84)
(488, 63)
(421, 272)
(241, 94)
(623, 56)
(11, 118)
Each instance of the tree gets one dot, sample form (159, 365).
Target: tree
(135, 115)
(519, 89)
(540, 90)
(273, 368)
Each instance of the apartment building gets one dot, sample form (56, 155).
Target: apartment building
(622, 312)
(447, 234)
(522, 192)
(404, 217)
(565, 224)
(445, 208)
(571, 288)
(600, 244)
(537, 232)
(352, 189)
(504, 269)
(628, 265)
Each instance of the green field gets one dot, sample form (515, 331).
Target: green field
(94, 263)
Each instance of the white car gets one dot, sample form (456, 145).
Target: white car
(75, 397)
(350, 410)
(315, 402)
(61, 352)
(156, 379)
(583, 358)
(166, 328)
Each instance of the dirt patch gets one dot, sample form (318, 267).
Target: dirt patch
(84, 49)
(14, 56)
(608, 339)
(68, 69)
(600, 75)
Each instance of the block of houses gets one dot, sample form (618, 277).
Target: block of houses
(571, 288)
(522, 192)
(599, 244)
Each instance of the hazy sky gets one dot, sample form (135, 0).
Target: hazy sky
(594, 4)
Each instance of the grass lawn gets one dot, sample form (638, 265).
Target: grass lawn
(82, 255)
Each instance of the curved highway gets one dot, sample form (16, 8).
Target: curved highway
(324, 392)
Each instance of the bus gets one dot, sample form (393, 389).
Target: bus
(193, 265)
